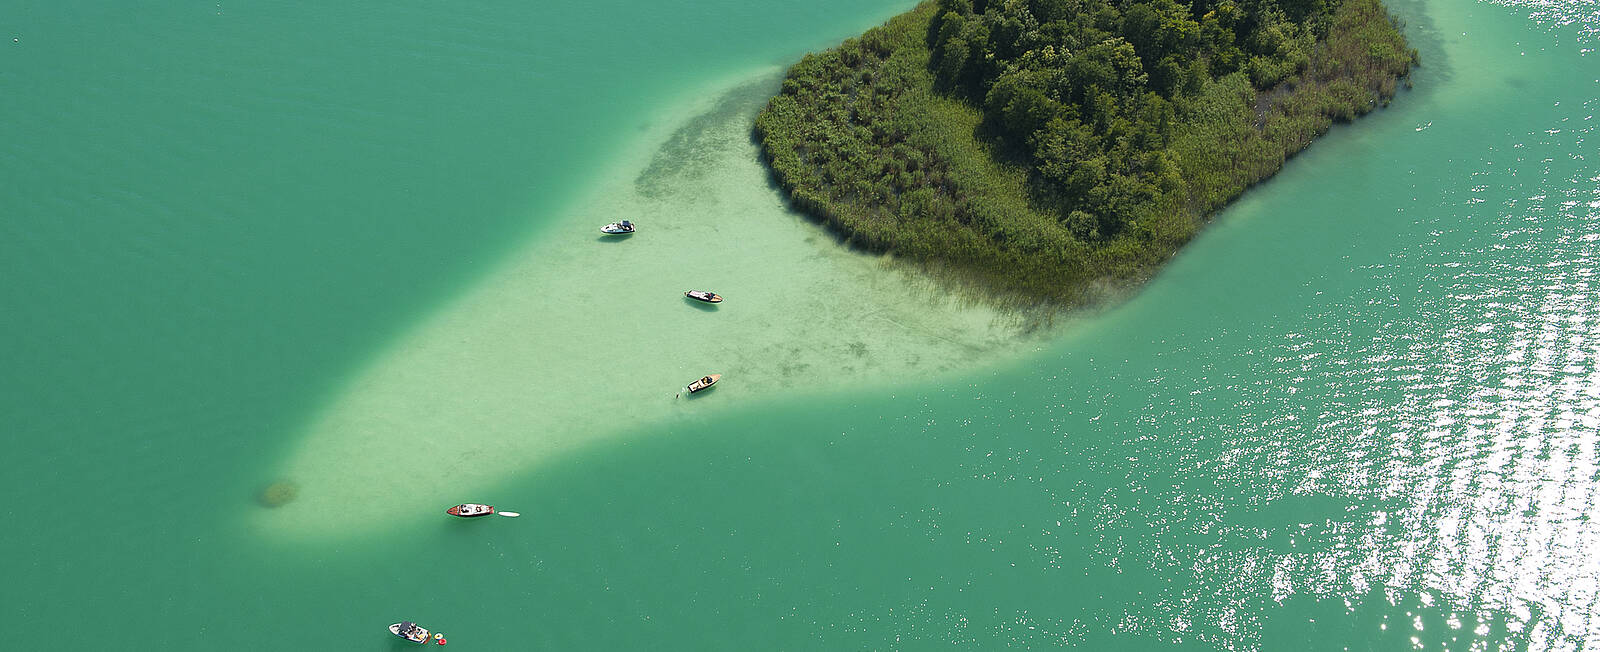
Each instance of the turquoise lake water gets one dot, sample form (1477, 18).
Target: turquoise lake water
(352, 249)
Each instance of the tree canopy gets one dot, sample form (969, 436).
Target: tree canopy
(1099, 133)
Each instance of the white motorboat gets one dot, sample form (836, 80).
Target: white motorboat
(415, 633)
(469, 510)
(705, 382)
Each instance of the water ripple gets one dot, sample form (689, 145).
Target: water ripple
(1489, 455)
(1582, 15)
(1417, 455)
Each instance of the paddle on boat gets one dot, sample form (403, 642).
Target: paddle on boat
(617, 228)
(704, 295)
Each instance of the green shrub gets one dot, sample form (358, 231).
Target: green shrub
(1038, 149)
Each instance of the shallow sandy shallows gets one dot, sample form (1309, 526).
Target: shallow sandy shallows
(582, 336)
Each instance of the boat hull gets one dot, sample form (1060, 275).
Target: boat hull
(470, 510)
(415, 634)
(701, 385)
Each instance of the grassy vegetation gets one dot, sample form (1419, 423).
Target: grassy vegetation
(1040, 149)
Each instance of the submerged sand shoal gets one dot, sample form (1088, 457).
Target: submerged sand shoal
(580, 336)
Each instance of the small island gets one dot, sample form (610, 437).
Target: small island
(1045, 151)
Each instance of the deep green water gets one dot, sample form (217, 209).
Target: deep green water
(1360, 412)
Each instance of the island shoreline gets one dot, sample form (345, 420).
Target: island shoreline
(869, 140)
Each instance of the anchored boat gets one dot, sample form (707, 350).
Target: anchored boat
(617, 228)
(469, 510)
(705, 382)
(415, 633)
(704, 295)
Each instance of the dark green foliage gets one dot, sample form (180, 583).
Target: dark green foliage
(1041, 146)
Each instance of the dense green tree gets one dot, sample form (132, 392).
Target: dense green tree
(1043, 146)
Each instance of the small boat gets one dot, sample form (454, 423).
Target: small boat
(412, 632)
(704, 382)
(704, 295)
(469, 510)
(618, 228)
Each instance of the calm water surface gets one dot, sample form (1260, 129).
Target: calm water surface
(1359, 413)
